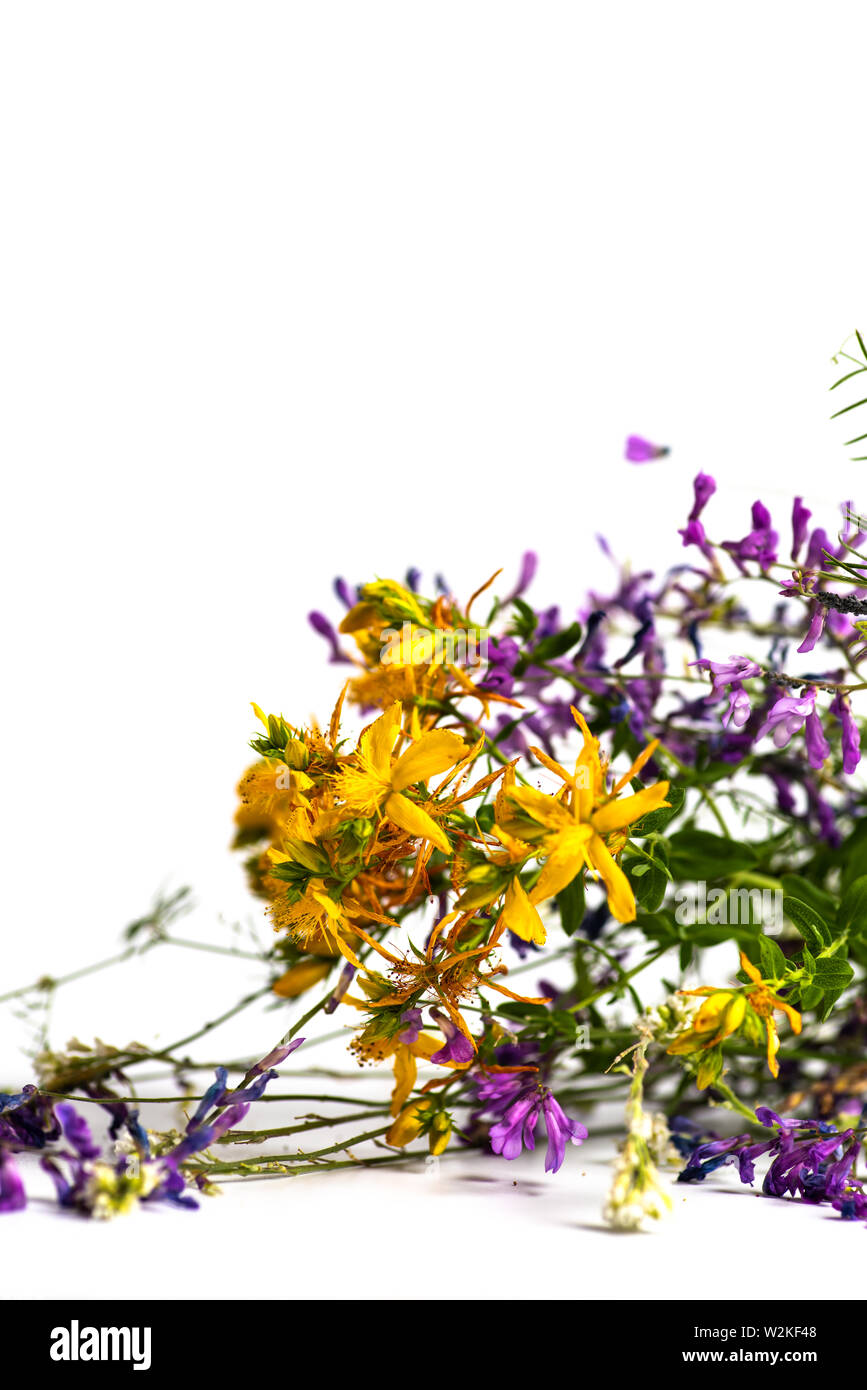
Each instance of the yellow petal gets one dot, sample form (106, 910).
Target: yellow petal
(773, 1047)
(621, 901)
(520, 916)
(405, 1073)
(636, 766)
(713, 1010)
(411, 818)
(407, 1126)
(749, 969)
(567, 859)
(300, 978)
(377, 740)
(434, 752)
(618, 814)
(541, 807)
(791, 1014)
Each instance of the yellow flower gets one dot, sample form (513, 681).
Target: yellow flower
(371, 1046)
(764, 1001)
(573, 829)
(725, 1010)
(408, 1124)
(373, 782)
(299, 978)
(313, 919)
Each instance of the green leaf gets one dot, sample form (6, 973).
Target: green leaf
(853, 908)
(551, 647)
(811, 925)
(772, 962)
(654, 821)
(832, 972)
(570, 905)
(794, 886)
(697, 854)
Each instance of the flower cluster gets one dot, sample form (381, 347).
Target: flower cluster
(506, 787)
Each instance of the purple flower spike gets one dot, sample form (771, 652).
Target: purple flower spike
(800, 516)
(639, 450)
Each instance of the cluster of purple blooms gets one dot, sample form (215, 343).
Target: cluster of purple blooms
(810, 1160)
(690, 595)
(34, 1123)
(517, 1101)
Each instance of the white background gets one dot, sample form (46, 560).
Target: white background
(290, 290)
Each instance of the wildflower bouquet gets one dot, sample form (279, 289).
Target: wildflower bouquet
(654, 783)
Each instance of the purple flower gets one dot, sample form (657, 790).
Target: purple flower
(27, 1120)
(639, 450)
(12, 1194)
(520, 1101)
(760, 544)
(800, 516)
(815, 630)
(819, 542)
(347, 595)
(529, 565)
(703, 487)
(516, 1130)
(458, 1049)
(787, 716)
(739, 710)
(76, 1131)
(412, 1020)
(693, 534)
(851, 736)
(343, 982)
(275, 1058)
(320, 624)
(818, 747)
(737, 668)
